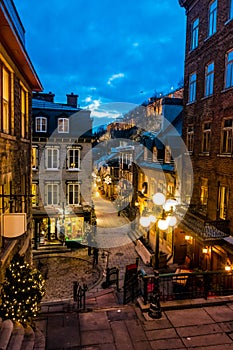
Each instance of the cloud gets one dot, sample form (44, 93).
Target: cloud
(114, 77)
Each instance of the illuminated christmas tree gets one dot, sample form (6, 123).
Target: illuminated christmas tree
(21, 292)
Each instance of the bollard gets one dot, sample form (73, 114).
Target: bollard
(75, 290)
(155, 310)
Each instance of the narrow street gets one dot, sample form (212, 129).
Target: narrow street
(112, 230)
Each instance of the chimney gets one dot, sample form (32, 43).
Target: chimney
(72, 100)
(49, 97)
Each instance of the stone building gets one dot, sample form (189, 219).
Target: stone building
(17, 81)
(62, 168)
(207, 130)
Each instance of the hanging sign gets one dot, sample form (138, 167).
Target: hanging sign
(14, 224)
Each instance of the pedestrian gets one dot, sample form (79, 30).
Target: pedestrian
(95, 256)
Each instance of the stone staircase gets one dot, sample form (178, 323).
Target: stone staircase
(13, 336)
(52, 249)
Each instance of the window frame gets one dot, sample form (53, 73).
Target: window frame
(54, 200)
(7, 124)
(35, 198)
(192, 87)
(229, 68)
(24, 112)
(190, 138)
(62, 128)
(54, 158)
(69, 164)
(35, 157)
(76, 195)
(230, 9)
(227, 137)
(40, 129)
(209, 79)
(194, 34)
(206, 135)
(212, 24)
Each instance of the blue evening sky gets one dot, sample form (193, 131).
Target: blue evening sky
(105, 51)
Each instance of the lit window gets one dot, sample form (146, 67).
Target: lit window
(206, 138)
(155, 154)
(34, 194)
(227, 136)
(6, 109)
(51, 193)
(52, 158)
(209, 79)
(222, 202)
(190, 138)
(229, 70)
(167, 156)
(24, 113)
(73, 193)
(192, 87)
(204, 192)
(41, 124)
(73, 159)
(213, 17)
(63, 125)
(194, 33)
(34, 157)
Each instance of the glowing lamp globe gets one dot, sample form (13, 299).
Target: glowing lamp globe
(172, 221)
(159, 198)
(163, 224)
(145, 221)
(152, 218)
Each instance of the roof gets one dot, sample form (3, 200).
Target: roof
(12, 37)
(42, 104)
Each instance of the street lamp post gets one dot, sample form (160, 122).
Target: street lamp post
(162, 222)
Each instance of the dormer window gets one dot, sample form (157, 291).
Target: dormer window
(155, 154)
(41, 124)
(63, 125)
(167, 156)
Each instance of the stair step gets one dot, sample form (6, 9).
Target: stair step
(17, 336)
(5, 333)
(39, 340)
(29, 339)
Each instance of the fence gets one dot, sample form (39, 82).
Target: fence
(188, 285)
(112, 277)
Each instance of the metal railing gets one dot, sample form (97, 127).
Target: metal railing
(188, 285)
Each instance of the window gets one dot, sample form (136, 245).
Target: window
(192, 87)
(35, 194)
(34, 157)
(24, 113)
(194, 34)
(73, 159)
(212, 17)
(222, 202)
(231, 9)
(227, 136)
(167, 155)
(73, 193)
(145, 151)
(155, 154)
(190, 138)
(204, 192)
(229, 70)
(209, 79)
(6, 100)
(63, 125)
(41, 124)
(206, 137)
(52, 158)
(51, 193)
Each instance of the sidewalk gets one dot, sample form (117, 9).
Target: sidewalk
(111, 326)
